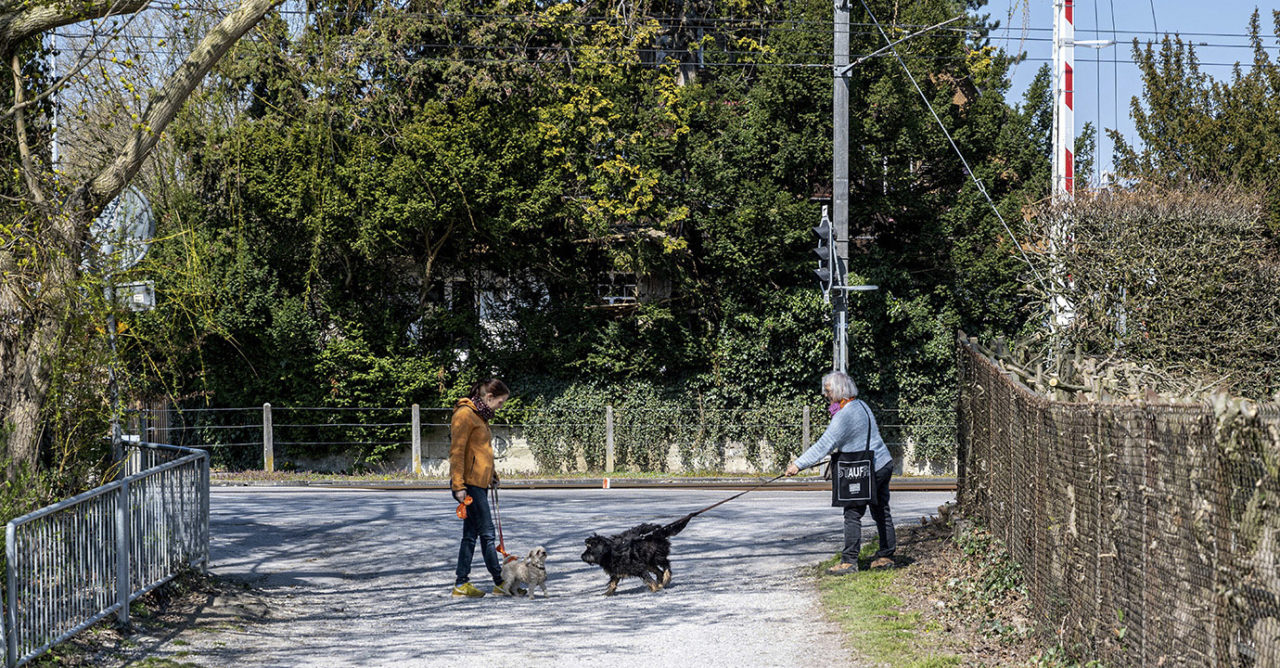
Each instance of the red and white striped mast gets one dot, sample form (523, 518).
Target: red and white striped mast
(1064, 141)
(1064, 138)
(1064, 131)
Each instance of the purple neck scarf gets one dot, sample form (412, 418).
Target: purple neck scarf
(482, 408)
(837, 405)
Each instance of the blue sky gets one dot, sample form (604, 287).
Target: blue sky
(1103, 90)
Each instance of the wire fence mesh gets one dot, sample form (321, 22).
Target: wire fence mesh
(379, 438)
(1148, 533)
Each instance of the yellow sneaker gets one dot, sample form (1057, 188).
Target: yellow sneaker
(467, 589)
(499, 590)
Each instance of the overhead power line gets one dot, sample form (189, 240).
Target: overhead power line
(967, 169)
(1047, 39)
(819, 59)
(819, 26)
(496, 53)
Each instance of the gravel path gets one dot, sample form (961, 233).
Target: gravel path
(363, 578)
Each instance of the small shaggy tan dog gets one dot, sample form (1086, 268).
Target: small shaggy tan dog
(531, 571)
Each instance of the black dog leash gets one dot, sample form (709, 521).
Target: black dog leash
(685, 520)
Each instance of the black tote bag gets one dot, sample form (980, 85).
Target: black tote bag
(853, 474)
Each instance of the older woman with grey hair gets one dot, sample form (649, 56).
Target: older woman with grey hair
(853, 427)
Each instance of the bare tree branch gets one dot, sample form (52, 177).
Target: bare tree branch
(30, 333)
(16, 26)
(166, 102)
(20, 128)
(82, 60)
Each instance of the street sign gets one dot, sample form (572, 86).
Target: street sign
(123, 231)
(137, 296)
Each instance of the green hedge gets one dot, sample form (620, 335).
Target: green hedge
(566, 430)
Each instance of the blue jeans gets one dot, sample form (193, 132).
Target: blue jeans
(879, 512)
(479, 524)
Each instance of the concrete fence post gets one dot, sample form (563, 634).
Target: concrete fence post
(122, 554)
(204, 512)
(268, 438)
(804, 430)
(608, 438)
(416, 438)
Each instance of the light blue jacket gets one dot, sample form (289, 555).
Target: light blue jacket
(848, 433)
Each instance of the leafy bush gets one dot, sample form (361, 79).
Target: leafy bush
(567, 427)
(1186, 281)
(998, 577)
(23, 492)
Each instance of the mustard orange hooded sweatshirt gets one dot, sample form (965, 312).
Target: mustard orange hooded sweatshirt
(470, 448)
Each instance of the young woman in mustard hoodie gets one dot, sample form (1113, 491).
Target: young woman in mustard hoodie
(472, 474)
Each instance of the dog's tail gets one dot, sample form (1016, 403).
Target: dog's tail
(673, 528)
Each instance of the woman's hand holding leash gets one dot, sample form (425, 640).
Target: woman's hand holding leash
(463, 500)
(791, 469)
(461, 512)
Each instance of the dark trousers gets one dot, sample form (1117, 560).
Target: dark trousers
(479, 524)
(879, 512)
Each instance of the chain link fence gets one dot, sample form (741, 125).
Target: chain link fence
(1148, 533)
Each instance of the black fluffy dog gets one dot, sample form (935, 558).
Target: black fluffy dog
(638, 552)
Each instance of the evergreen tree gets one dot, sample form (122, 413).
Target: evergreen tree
(407, 164)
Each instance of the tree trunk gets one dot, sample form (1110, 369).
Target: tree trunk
(34, 310)
(25, 392)
(32, 324)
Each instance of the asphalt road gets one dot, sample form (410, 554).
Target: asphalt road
(364, 578)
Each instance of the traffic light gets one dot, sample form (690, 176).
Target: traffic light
(825, 252)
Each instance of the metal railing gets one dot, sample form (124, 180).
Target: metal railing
(79, 561)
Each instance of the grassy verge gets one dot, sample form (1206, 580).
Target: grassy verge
(955, 597)
(866, 608)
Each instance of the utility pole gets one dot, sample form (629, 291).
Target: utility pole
(53, 76)
(1064, 137)
(840, 183)
(833, 232)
